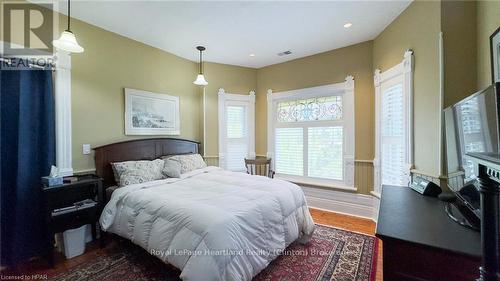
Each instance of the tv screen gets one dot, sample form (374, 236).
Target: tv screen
(471, 125)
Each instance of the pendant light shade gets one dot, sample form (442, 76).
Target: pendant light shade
(67, 42)
(200, 79)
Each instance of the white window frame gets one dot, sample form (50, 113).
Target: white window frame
(226, 99)
(344, 89)
(405, 69)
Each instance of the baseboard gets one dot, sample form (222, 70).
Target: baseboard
(353, 204)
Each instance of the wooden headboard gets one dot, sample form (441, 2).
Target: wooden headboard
(143, 149)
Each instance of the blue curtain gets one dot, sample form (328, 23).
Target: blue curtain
(27, 152)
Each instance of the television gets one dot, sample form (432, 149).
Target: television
(471, 125)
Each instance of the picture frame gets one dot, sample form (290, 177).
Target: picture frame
(495, 55)
(148, 113)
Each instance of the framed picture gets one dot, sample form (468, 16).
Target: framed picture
(495, 55)
(149, 113)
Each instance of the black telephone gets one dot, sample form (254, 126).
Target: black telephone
(425, 187)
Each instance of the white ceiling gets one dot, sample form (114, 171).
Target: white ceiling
(231, 31)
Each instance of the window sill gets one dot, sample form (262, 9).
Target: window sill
(317, 183)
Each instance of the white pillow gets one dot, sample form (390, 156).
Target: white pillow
(172, 169)
(136, 176)
(153, 167)
(189, 162)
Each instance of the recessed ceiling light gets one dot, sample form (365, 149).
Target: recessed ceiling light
(252, 55)
(347, 25)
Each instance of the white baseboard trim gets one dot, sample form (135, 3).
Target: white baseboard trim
(349, 203)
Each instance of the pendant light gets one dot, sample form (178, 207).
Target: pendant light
(200, 79)
(67, 41)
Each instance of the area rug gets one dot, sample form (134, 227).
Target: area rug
(332, 254)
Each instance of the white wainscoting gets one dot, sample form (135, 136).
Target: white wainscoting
(349, 203)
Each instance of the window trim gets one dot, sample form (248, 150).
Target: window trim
(406, 70)
(346, 90)
(223, 98)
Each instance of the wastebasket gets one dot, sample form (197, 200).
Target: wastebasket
(74, 242)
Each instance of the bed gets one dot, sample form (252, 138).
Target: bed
(210, 223)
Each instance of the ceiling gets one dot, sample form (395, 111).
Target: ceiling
(231, 31)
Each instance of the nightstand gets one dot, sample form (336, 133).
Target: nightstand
(60, 215)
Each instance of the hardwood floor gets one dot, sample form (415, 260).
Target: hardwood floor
(38, 270)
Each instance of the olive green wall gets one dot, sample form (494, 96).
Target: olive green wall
(112, 62)
(321, 69)
(467, 26)
(488, 20)
(234, 80)
(417, 28)
(458, 24)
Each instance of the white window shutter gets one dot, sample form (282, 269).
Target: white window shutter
(237, 140)
(289, 151)
(393, 148)
(325, 153)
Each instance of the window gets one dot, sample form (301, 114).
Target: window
(289, 151)
(393, 154)
(393, 148)
(237, 140)
(236, 127)
(312, 109)
(325, 152)
(311, 134)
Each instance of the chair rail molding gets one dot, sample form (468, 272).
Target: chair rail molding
(62, 88)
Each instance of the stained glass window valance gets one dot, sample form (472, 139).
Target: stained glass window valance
(310, 109)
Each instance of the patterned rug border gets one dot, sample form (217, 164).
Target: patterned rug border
(344, 229)
(373, 274)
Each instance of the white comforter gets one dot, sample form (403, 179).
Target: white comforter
(211, 223)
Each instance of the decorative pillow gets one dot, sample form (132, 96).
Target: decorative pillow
(189, 162)
(172, 169)
(136, 176)
(154, 167)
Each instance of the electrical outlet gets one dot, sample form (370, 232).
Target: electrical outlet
(86, 149)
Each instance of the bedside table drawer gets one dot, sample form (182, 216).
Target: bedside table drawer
(74, 219)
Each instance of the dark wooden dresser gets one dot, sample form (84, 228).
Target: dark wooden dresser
(420, 242)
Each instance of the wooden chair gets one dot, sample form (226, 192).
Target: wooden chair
(259, 165)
